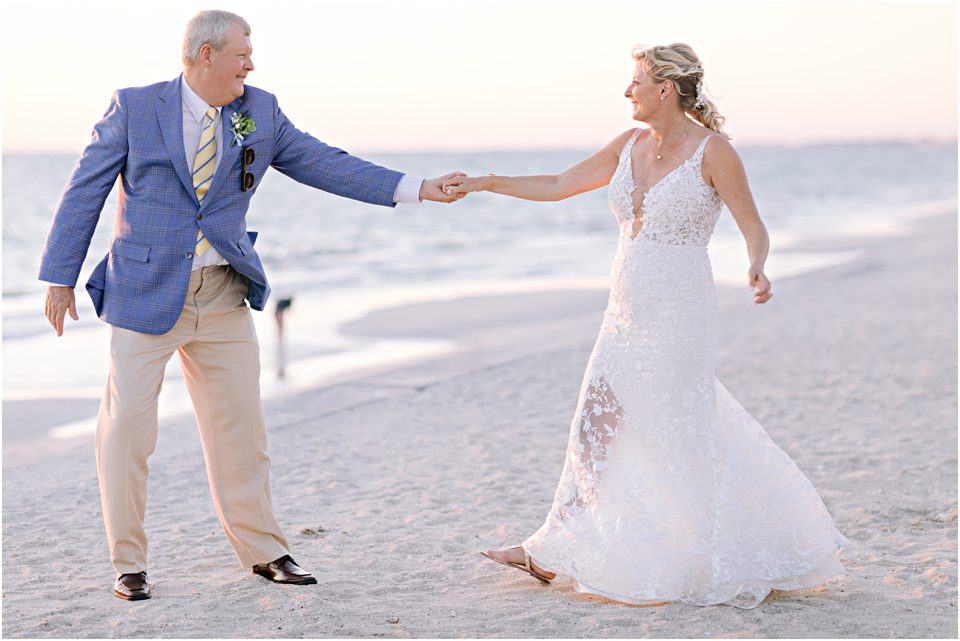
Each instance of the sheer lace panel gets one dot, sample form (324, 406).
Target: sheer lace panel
(600, 420)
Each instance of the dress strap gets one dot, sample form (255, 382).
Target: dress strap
(629, 144)
(698, 154)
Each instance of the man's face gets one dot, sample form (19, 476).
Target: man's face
(229, 66)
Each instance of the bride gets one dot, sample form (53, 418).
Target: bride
(670, 491)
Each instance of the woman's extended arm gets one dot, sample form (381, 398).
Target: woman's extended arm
(724, 171)
(588, 174)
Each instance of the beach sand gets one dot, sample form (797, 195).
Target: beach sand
(389, 485)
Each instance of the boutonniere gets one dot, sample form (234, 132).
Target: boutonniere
(242, 126)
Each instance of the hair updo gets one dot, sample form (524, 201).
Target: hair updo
(679, 64)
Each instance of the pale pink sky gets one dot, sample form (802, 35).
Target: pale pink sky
(428, 75)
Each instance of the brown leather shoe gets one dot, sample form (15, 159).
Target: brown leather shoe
(132, 587)
(284, 570)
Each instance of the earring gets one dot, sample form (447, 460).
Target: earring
(662, 97)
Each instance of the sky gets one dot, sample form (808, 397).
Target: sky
(489, 75)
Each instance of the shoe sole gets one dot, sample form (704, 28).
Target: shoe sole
(127, 597)
(306, 581)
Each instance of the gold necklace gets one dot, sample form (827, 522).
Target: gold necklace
(682, 138)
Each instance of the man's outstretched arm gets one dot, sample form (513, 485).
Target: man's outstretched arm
(312, 162)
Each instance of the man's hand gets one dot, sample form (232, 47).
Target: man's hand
(433, 189)
(60, 300)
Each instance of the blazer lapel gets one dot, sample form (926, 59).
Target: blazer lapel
(230, 150)
(170, 115)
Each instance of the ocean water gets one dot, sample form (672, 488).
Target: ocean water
(340, 258)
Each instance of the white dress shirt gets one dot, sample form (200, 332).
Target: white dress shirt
(194, 109)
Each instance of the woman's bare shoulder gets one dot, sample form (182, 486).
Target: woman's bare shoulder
(718, 143)
(622, 139)
(719, 150)
(616, 145)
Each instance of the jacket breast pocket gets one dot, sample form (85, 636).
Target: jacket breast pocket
(262, 152)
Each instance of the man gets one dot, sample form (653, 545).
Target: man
(190, 154)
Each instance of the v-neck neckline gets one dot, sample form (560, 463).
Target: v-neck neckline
(633, 181)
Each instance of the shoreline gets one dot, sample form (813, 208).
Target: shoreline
(404, 328)
(387, 485)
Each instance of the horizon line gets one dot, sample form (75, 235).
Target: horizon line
(852, 142)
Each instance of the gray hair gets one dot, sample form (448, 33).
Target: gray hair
(209, 27)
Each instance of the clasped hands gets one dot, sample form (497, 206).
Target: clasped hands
(453, 186)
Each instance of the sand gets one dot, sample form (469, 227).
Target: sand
(389, 485)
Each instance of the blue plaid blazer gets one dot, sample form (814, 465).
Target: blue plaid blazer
(141, 283)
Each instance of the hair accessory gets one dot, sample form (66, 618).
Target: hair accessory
(701, 101)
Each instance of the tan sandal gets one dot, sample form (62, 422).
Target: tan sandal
(526, 566)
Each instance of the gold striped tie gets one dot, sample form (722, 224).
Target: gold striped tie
(203, 166)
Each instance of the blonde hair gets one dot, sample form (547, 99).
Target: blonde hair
(209, 27)
(679, 64)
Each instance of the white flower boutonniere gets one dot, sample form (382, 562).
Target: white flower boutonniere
(242, 126)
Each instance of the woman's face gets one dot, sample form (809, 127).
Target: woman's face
(643, 93)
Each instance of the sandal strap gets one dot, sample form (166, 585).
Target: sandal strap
(528, 564)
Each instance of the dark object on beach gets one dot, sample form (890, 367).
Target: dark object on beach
(283, 304)
(314, 532)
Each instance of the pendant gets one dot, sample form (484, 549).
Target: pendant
(659, 157)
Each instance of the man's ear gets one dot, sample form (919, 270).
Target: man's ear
(204, 54)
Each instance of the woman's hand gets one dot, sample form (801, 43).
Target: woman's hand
(759, 285)
(432, 189)
(460, 186)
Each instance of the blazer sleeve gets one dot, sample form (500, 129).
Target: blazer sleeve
(302, 157)
(82, 200)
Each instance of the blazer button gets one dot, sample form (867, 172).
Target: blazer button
(188, 255)
(199, 216)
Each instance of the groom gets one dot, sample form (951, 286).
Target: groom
(190, 154)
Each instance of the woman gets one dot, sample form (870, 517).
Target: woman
(670, 491)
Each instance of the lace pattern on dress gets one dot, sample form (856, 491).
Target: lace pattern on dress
(680, 209)
(670, 490)
(600, 419)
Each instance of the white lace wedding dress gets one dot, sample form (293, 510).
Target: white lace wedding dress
(670, 490)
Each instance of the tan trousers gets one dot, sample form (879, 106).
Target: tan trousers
(220, 356)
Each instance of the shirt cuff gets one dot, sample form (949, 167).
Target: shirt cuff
(408, 189)
(53, 282)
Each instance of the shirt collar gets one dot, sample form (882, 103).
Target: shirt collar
(197, 105)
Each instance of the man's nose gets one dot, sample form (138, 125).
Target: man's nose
(249, 64)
